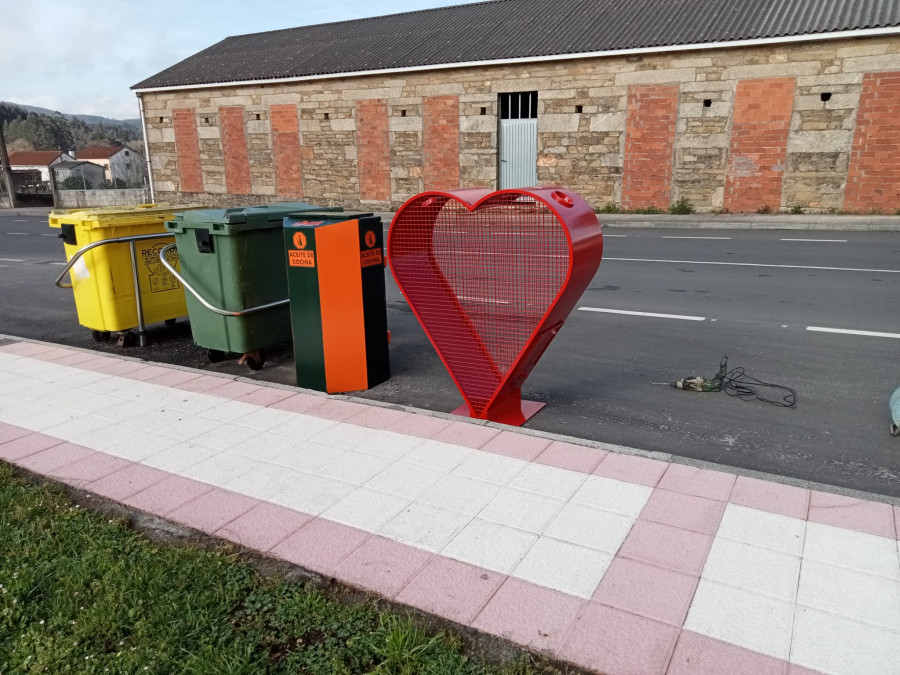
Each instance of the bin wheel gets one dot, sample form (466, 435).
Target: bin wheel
(171, 322)
(100, 335)
(254, 360)
(215, 356)
(126, 339)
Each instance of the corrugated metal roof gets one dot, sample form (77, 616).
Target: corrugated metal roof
(509, 29)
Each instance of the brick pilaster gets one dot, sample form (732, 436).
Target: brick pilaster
(234, 148)
(286, 150)
(441, 141)
(761, 123)
(373, 150)
(873, 181)
(187, 150)
(649, 142)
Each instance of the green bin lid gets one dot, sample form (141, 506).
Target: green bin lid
(312, 218)
(234, 220)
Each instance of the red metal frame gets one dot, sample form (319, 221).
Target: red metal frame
(492, 276)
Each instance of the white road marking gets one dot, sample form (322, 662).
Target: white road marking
(650, 314)
(738, 264)
(57, 263)
(614, 235)
(674, 237)
(833, 241)
(847, 331)
(11, 260)
(21, 234)
(55, 236)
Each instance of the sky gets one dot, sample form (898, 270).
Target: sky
(82, 57)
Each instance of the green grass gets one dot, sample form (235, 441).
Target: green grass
(82, 593)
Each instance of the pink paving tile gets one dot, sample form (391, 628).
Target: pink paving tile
(531, 615)
(609, 640)
(320, 545)
(97, 362)
(646, 590)
(786, 500)
(333, 409)
(264, 526)
(700, 655)
(127, 482)
(299, 403)
(897, 521)
(421, 426)
(73, 359)
(173, 378)
(376, 417)
(265, 396)
(233, 389)
(26, 348)
(91, 468)
(631, 469)
(451, 589)
(685, 511)
(202, 384)
(382, 566)
(10, 432)
(690, 480)
(169, 494)
(47, 461)
(121, 367)
(667, 546)
(794, 669)
(520, 446)
(466, 434)
(573, 457)
(25, 446)
(852, 514)
(146, 373)
(213, 510)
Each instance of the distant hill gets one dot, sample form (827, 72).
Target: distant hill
(89, 119)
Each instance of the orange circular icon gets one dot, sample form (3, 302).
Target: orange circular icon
(370, 239)
(299, 240)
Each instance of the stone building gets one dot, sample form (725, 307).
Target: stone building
(737, 105)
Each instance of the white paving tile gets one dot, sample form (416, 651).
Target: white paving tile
(753, 568)
(184, 401)
(389, 444)
(228, 411)
(313, 494)
(343, 435)
(110, 437)
(438, 455)
(613, 495)
(39, 417)
(549, 480)
(857, 595)
(425, 526)
(489, 545)
(219, 469)
(405, 480)
(266, 419)
(264, 481)
(177, 425)
(464, 495)
(84, 402)
(174, 458)
(833, 644)
(301, 426)
(302, 455)
(522, 510)
(488, 466)
(366, 509)
(590, 527)
(563, 566)
(75, 430)
(353, 467)
(756, 622)
(225, 436)
(856, 550)
(122, 411)
(760, 528)
(82, 378)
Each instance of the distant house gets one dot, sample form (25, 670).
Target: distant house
(93, 174)
(40, 160)
(120, 162)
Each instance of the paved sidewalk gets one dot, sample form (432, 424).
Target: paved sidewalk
(614, 562)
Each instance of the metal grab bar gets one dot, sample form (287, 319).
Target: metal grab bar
(203, 301)
(138, 300)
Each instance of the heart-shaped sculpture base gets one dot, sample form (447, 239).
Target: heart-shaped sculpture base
(492, 276)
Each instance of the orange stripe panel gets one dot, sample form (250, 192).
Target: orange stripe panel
(340, 292)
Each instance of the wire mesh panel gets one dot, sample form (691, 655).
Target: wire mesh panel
(484, 273)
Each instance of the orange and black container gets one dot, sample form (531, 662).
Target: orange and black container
(335, 268)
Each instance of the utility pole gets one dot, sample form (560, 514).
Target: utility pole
(7, 169)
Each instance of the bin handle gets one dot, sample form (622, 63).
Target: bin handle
(103, 242)
(203, 301)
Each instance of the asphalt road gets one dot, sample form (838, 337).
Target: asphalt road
(758, 293)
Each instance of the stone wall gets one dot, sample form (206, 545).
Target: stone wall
(810, 125)
(73, 199)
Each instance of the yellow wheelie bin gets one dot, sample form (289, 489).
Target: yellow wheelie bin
(103, 280)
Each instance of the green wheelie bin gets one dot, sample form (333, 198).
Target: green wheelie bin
(233, 265)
